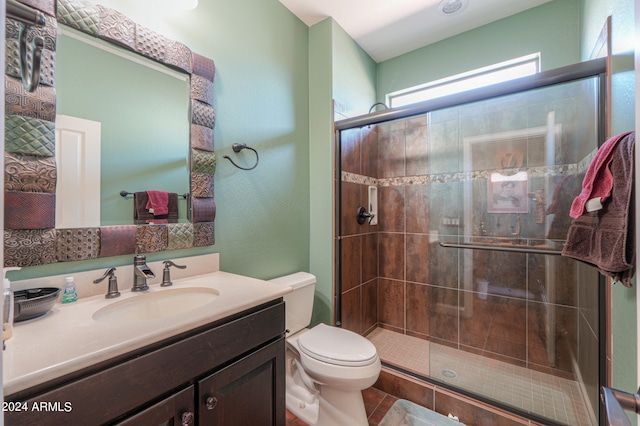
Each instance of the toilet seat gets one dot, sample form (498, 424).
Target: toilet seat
(337, 346)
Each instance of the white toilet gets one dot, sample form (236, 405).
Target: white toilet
(327, 367)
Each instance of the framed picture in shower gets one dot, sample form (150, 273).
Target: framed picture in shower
(508, 193)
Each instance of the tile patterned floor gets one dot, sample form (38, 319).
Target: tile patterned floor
(553, 397)
(376, 404)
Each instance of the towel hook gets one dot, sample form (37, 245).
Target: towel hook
(28, 17)
(237, 147)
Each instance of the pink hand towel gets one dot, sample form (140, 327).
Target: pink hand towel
(159, 202)
(598, 181)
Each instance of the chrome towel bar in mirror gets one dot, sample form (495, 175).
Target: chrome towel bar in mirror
(124, 193)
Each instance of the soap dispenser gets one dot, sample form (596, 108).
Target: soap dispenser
(7, 307)
(69, 294)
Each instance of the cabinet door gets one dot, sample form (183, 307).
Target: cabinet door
(177, 410)
(249, 392)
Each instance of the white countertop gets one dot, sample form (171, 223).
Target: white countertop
(67, 338)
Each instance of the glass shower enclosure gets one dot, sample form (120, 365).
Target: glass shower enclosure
(454, 271)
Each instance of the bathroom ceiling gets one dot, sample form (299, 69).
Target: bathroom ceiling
(388, 28)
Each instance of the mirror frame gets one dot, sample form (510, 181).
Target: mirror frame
(30, 236)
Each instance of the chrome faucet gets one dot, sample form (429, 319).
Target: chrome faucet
(140, 273)
(113, 283)
(166, 274)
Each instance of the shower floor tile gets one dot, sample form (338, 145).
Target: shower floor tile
(553, 397)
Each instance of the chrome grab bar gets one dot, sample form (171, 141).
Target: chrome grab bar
(515, 248)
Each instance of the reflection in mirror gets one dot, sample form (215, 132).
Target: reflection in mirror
(166, 149)
(142, 108)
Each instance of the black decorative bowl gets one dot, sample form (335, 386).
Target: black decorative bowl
(33, 302)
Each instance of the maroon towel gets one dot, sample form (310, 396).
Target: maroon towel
(598, 181)
(158, 203)
(142, 215)
(605, 238)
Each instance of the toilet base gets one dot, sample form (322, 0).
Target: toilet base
(338, 407)
(301, 395)
(332, 407)
(305, 411)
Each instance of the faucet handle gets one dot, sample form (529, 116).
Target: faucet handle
(113, 283)
(166, 274)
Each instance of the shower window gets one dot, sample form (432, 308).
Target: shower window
(507, 323)
(504, 71)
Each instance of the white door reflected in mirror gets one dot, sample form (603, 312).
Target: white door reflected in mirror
(78, 172)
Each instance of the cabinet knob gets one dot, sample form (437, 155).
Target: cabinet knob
(187, 418)
(211, 402)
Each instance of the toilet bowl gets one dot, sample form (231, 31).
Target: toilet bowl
(326, 367)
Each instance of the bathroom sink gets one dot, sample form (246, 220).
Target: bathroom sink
(156, 305)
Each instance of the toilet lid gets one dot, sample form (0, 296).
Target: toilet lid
(337, 346)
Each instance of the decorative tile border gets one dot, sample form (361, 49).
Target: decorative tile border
(201, 185)
(40, 104)
(202, 114)
(178, 55)
(79, 14)
(201, 137)
(29, 247)
(203, 161)
(359, 179)
(29, 210)
(116, 27)
(29, 173)
(202, 89)
(203, 234)
(30, 136)
(46, 6)
(77, 244)
(151, 238)
(477, 175)
(181, 236)
(117, 240)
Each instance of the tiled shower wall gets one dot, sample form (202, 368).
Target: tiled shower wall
(395, 275)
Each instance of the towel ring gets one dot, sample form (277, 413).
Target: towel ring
(237, 147)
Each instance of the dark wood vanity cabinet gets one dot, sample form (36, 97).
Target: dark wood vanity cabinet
(229, 373)
(176, 410)
(243, 393)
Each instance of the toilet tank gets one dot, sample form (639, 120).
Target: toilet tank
(298, 303)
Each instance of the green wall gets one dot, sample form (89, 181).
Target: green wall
(354, 74)
(340, 71)
(321, 168)
(552, 29)
(593, 16)
(262, 99)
